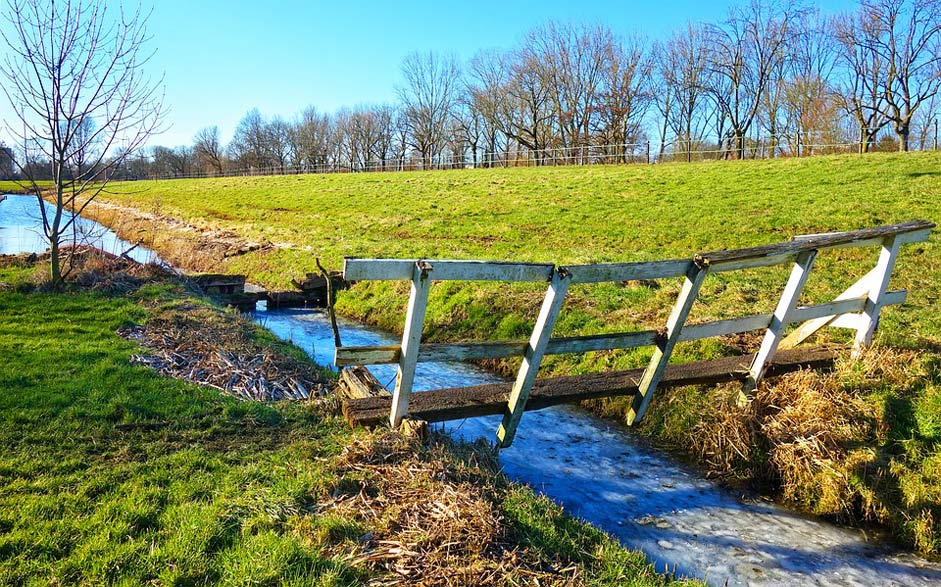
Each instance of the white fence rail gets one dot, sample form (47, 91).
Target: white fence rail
(857, 308)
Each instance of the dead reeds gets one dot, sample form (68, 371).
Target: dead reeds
(432, 520)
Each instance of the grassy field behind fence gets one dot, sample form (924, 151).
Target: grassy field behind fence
(624, 213)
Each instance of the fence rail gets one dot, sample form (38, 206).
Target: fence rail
(600, 154)
(858, 308)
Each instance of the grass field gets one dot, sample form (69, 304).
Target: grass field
(616, 213)
(113, 475)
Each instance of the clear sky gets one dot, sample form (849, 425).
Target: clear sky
(221, 58)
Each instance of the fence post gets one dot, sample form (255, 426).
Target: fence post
(411, 340)
(648, 152)
(786, 304)
(532, 357)
(661, 354)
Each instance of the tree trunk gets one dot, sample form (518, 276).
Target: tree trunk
(904, 132)
(55, 263)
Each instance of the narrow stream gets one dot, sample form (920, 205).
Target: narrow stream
(599, 472)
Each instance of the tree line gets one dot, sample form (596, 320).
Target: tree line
(774, 78)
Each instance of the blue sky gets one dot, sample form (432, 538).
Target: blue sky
(222, 58)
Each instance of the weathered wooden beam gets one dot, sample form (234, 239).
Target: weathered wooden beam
(485, 400)
(445, 270)
(617, 272)
(411, 340)
(729, 260)
(367, 355)
(358, 383)
(532, 357)
(661, 354)
(779, 320)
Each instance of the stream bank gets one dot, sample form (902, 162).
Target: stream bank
(599, 472)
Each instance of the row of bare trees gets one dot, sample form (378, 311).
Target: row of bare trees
(774, 78)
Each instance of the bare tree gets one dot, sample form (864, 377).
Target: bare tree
(809, 101)
(906, 35)
(528, 113)
(70, 62)
(864, 77)
(311, 139)
(277, 142)
(573, 61)
(682, 69)
(486, 94)
(430, 90)
(745, 52)
(624, 96)
(249, 144)
(207, 148)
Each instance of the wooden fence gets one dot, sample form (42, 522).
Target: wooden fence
(857, 308)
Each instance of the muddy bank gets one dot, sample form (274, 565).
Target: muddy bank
(192, 247)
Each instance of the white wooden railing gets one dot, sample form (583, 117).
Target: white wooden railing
(857, 308)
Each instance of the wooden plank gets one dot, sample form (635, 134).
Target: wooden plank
(445, 270)
(602, 342)
(542, 332)
(471, 350)
(723, 327)
(775, 331)
(367, 355)
(783, 252)
(411, 340)
(483, 400)
(617, 272)
(378, 269)
(869, 317)
(358, 382)
(661, 354)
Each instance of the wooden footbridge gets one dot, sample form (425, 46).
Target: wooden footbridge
(857, 308)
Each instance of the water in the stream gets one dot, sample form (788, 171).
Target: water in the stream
(21, 232)
(599, 472)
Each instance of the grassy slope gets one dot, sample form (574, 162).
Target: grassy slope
(618, 213)
(572, 215)
(222, 492)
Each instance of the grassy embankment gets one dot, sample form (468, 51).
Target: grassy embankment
(626, 213)
(111, 474)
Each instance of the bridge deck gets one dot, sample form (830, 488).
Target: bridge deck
(484, 400)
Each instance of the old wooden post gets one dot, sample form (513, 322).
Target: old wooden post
(532, 357)
(661, 354)
(411, 340)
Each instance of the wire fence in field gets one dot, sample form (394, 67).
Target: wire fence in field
(609, 154)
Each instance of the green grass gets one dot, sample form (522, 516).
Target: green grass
(593, 214)
(113, 475)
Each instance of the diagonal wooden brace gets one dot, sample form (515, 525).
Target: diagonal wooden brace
(532, 357)
(811, 327)
(779, 319)
(869, 318)
(661, 354)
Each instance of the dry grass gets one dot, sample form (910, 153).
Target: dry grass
(433, 518)
(207, 346)
(829, 442)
